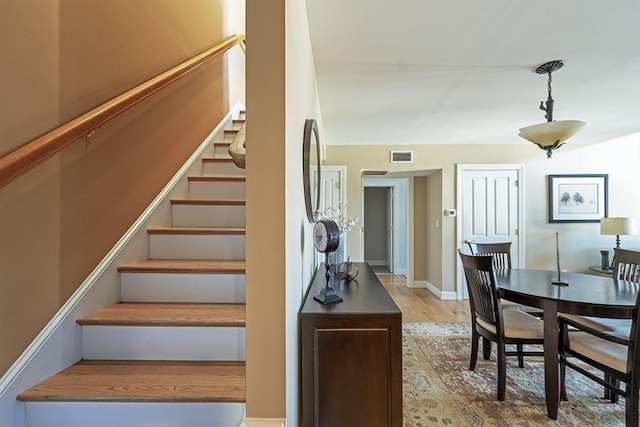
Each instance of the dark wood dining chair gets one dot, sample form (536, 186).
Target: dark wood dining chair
(501, 252)
(615, 355)
(616, 339)
(490, 322)
(626, 276)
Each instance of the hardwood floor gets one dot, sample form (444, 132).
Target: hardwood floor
(420, 305)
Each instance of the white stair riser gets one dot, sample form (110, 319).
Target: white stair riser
(208, 216)
(221, 151)
(163, 343)
(144, 414)
(212, 190)
(182, 287)
(202, 247)
(226, 168)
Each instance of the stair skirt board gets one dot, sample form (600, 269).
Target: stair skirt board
(125, 414)
(197, 247)
(232, 190)
(182, 287)
(52, 351)
(208, 216)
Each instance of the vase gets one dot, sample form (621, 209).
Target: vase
(605, 260)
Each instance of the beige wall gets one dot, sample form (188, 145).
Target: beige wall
(281, 94)
(619, 159)
(61, 58)
(434, 233)
(420, 233)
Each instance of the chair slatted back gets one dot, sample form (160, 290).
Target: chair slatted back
(626, 267)
(501, 253)
(626, 276)
(483, 293)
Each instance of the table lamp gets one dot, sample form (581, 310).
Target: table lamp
(618, 227)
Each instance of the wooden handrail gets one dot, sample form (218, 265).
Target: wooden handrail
(25, 158)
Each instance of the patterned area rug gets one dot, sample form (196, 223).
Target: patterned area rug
(439, 389)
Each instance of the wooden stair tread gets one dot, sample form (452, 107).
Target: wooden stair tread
(217, 178)
(143, 381)
(207, 202)
(217, 160)
(184, 266)
(167, 314)
(200, 231)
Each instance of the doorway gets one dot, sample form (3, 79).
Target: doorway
(490, 202)
(378, 236)
(385, 235)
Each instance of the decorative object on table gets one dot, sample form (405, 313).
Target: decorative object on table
(340, 216)
(344, 221)
(559, 280)
(578, 198)
(604, 264)
(238, 147)
(551, 134)
(311, 168)
(326, 238)
(347, 270)
(618, 227)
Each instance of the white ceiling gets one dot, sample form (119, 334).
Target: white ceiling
(462, 71)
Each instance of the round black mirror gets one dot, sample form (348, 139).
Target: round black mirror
(311, 168)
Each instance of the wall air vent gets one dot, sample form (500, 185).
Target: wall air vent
(401, 156)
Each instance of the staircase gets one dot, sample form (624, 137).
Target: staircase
(172, 351)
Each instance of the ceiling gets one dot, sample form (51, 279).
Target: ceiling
(462, 72)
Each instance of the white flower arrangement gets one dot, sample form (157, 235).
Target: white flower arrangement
(340, 216)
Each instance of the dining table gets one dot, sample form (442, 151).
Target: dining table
(577, 293)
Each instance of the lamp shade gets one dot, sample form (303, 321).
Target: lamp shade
(618, 226)
(549, 134)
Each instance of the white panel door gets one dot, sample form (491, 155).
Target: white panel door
(488, 211)
(332, 194)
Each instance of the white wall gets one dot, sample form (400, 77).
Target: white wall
(301, 103)
(581, 242)
(234, 23)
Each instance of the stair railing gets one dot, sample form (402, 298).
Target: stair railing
(27, 157)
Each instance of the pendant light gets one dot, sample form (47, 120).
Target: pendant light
(551, 134)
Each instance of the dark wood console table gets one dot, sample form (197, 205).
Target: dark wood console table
(351, 355)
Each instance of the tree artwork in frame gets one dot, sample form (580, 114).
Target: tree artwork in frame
(578, 198)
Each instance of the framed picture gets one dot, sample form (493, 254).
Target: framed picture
(578, 198)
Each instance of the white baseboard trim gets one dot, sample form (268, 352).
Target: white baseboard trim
(447, 295)
(51, 350)
(417, 284)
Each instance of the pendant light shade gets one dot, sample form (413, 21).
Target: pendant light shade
(551, 134)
